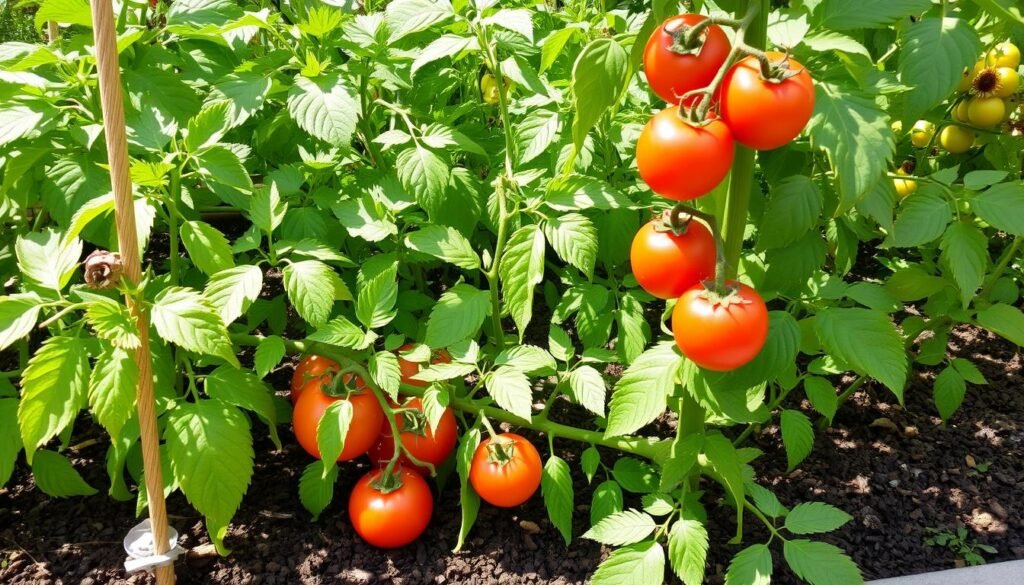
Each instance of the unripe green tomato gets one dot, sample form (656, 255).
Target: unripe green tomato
(921, 134)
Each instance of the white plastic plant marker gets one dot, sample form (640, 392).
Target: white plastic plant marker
(141, 548)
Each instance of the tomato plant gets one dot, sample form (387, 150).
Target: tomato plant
(446, 205)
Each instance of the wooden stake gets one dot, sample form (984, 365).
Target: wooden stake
(127, 239)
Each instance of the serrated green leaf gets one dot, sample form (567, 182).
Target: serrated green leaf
(312, 288)
(598, 77)
(556, 485)
(209, 447)
(521, 270)
(589, 461)
(244, 390)
(46, 259)
(797, 436)
(405, 17)
(57, 478)
(375, 305)
(635, 476)
(682, 458)
(446, 243)
(316, 487)
(18, 315)
(511, 389)
(457, 316)
(923, 217)
(751, 566)
(820, 563)
(1005, 321)
(183, 317)
(969, 371)
(622, 528)
(822, 395)
(468, 499)
(766, 501)
(688, 550)
(208, 126)
(949, 390)
(842, 15)
(449, 45)
(332, 430)
(208, 248)
(269, 353)
(638, 564)
(1000, 205)
(607, 500)
(112, 321)
(815, 518)
(342, 332)
(965, 252)
(587, 388)
(574, 238)
(794, 208)
(868, 341)
(112, 387)
(10, 439)
(425, 176)
(384, 370)
(54, 388)
(326, 107)
(220, 166)
(232, 291)
(641, 394)
(536, 133)
(932, 58)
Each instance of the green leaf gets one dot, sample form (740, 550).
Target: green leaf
(912, 283)
(574, 239)
(20, 120)
(183, 317)
(244, 93)
(923, 217)
(64, 12)
(18, 315)
(112, 387)
(209, 447)
(1005, 321)
(843, 15)
(598, 77)
(188, 14)
(266, 209)
(244, 390)
(221, 166)
(516, 20)
(688, 550)
(468, 499)
(536, 133)
(457, 316)
(587, 388)
(637, 564)
(950, 389)
(312, 288)
(751, 566)
(342, 332)
(552, 45)
(10, 439)
(873, 296)
(839, 114)
(868, 341)
(332, 430)
(54, 388)
(815, 518)
(794, 209)
(385, 371)
(797, 436)
(316, 487)
(521, 270)
(46, 259)
(57, 478)
(511, 389)
(965, 252)
(766, 501)
(405, 17)
(658, 504)
(932, 58)
(822, 395)
(444, 46)
(635, 476)
(269, 353)
(576, 192)
(728, 470)
(622, 528)
(969, 371)
(425, 176)
(590, 460)
(978, 180)
(446, 243)
(607, 500)
(682, 458)
(326, 107)
(641, 394)
(820, 563)
(1000, 207)
(375, 306)
(208, 248)
(112, 321)
(230, 292)
(556, 484)
(208, 126)
(527, 358)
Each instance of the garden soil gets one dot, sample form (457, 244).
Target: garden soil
(897, 471)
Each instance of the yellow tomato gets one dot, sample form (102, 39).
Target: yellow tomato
(955, 139)
(904, 187)
(965, 81)
(960, 111)
(1004, 55)
(921, 134)
(986, 112)
(1009, 82)
(489, 89)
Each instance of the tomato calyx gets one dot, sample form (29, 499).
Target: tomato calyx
(722, 295)
(389, 480)
(342, 385)
(413, 421)
(773, 71)
(689, 39)
(501, 450)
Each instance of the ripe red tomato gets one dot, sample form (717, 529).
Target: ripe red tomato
(393, 518)
(367, 417)
(511, 482)
(672, 74)
(766, 114)
(312, 366)
(681, 161)
(410, 369)
(720, 334)
(665, 264)
(429, 447)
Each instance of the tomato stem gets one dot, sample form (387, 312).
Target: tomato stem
(487, 425)
(686, 39)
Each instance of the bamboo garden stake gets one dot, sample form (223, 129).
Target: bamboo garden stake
(124, 213)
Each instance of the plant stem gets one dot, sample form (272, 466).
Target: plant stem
(647, 447)
(174, 195)
(1004, 260)
(691, 422)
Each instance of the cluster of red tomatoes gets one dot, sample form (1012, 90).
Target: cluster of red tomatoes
(762, 102)
(392, 504)
(988, 97)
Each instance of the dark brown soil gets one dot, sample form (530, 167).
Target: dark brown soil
(896, 480)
